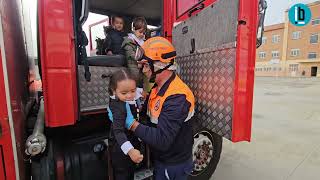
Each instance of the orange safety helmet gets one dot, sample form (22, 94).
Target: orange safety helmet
(159, 49)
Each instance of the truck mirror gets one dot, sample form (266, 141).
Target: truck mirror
(262, 12)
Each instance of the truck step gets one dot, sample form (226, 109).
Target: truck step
(143, 174)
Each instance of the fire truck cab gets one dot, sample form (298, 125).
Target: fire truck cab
(64, 130)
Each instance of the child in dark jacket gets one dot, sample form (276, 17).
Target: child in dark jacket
(123, 90)
(114, 37)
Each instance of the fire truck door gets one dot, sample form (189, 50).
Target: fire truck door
(1, 166)
(215, 43)
(7, 160)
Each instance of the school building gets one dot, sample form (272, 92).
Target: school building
(291, 51)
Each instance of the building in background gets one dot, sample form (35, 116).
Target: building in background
(289, 50)
(269, 60)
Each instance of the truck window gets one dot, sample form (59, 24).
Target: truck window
(94, 29)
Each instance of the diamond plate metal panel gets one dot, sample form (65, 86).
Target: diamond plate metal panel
(94, 95)
(210, 74)
(212, 27)
(206, 57)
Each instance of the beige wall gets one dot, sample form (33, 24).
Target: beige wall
(272, 70)
(307, 68)
(264, 66)
(268, 47)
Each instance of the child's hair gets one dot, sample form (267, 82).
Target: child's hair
(113, 18)
(118, 76)
(139, 23)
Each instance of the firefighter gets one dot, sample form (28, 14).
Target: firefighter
(170, 108)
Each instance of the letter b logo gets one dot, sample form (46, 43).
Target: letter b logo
(299, 15)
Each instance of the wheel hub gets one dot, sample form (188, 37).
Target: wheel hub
(202, 152)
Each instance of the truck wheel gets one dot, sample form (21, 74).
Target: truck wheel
(42, 167)
(206, 154)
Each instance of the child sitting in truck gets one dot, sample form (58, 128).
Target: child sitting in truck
(114, 36)
(123, 90)
(130, 44)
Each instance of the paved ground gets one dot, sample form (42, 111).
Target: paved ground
(285, 137)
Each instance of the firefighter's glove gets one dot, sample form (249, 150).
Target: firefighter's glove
(129, 118)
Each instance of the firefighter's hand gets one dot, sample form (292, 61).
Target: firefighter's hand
(129, 119)
(146, 70)
(135, 155)
(144, 95)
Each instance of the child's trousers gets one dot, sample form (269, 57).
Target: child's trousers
(123, 167)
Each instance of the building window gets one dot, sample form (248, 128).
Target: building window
(262, 55)
(275, 54)
(295, 52)
(314, 38)
(293, 67)
(275, 38)
(315, 21)
(264, 40)
(296, 35)
(312, 55)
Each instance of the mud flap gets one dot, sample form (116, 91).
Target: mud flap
(208, 61)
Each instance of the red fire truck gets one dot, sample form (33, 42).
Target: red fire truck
(62, 131)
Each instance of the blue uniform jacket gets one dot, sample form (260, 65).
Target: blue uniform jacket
(172, 138)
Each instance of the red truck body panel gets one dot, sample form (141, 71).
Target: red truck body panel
(17, 93)
(57, 51)
(245, 65)
(2, 173)
(177, 11)
(183, 6)
(7, 167)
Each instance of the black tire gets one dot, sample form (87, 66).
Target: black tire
(43, 167)
(216, 141)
